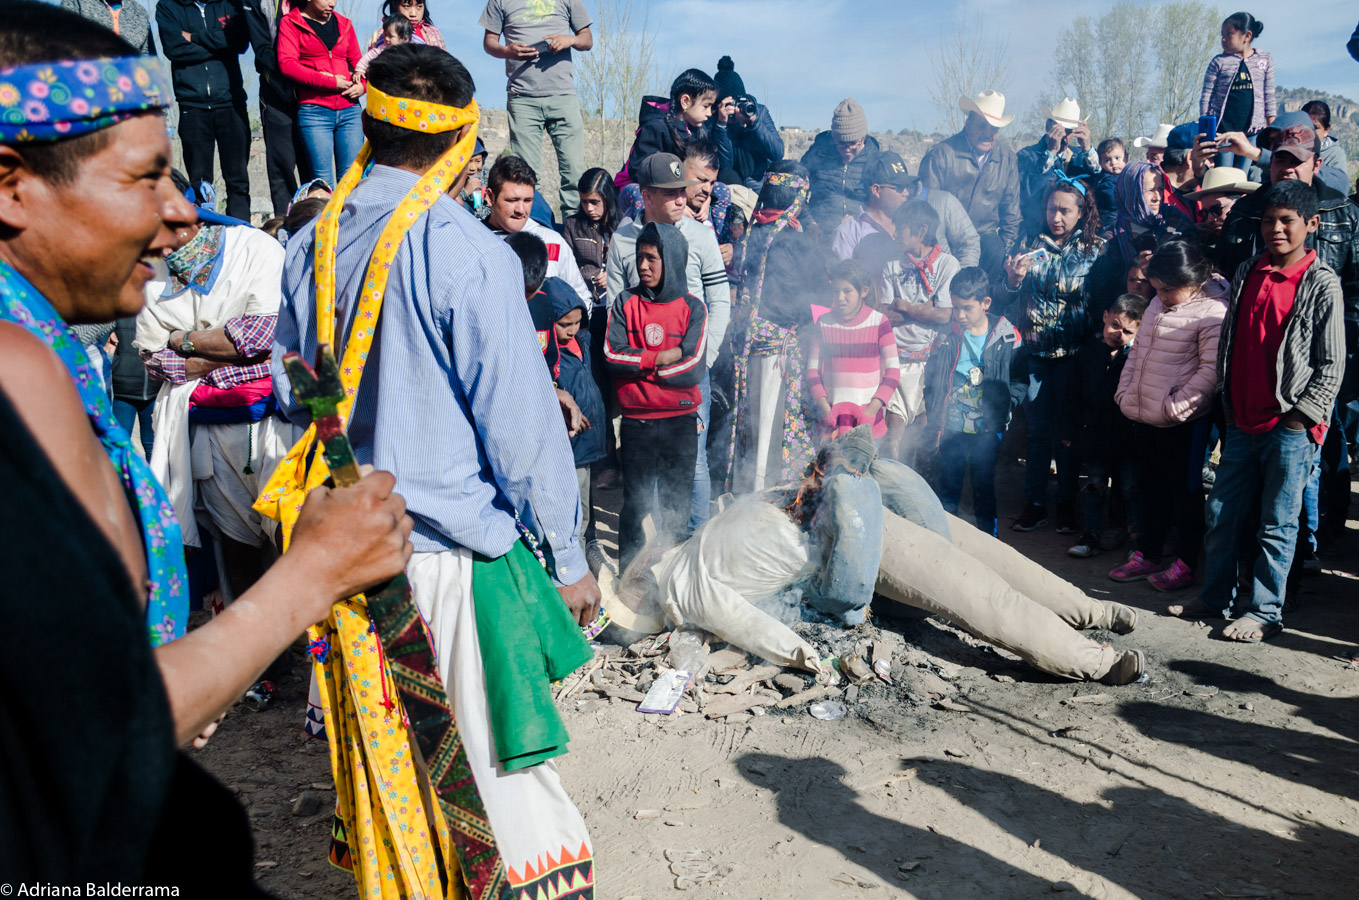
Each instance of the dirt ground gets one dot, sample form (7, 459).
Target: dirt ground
(1233, 772)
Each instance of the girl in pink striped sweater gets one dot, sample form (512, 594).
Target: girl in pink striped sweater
(852, 369)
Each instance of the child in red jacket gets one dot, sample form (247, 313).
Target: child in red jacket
(656, 353)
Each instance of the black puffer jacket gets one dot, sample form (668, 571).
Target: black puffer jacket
(1090, 417)
(836, 185)
(206, 70)
(660, 132)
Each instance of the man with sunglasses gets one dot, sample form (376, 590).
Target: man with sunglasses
(1222, 187)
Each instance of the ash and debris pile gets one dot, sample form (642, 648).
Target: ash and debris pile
(883, 666)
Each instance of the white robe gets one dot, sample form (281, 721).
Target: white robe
(250, 283)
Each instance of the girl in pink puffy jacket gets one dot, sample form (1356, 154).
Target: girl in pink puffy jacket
(1167, 391)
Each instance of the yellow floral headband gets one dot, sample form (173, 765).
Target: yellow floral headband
(419, 115)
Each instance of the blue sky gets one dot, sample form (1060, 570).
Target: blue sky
(804, 56)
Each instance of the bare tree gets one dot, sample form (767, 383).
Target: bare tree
(1187, 37)
(971, 57)
(1136, 65)
(613, 77)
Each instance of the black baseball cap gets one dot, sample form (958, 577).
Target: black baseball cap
(887, 168)
(662, 170)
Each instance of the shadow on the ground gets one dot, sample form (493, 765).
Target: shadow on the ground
(1147, 842)
(813, 800)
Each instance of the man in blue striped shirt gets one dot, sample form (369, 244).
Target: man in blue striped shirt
(455, 401)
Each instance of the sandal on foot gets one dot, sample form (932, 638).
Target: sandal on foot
(1193, 609)
(1246, 630)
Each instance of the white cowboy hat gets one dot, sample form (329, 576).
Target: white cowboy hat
(1159, 138)
(990, 105)
(1223, 180)
(1067, 113)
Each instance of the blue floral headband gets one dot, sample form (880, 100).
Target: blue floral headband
(50, 101)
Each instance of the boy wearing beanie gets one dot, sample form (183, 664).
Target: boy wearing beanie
(837, 160)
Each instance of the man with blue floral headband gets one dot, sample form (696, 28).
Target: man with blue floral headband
(92, 553)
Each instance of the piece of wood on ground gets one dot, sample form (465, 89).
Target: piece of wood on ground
(1091, 699)
(726, 706)
(621, 693)
(580, 682)
(745, 679)
(727, 659)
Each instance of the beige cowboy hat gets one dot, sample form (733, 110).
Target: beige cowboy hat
(1066, 113)
(744, 198)
(1223, 180)
(990, 105)
(1159, 138)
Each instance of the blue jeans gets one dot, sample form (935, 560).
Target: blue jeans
(1274, 468)
(1310, 521)
(139, 411)
(1042, 406)
(957, 453)
(847, 527)
(333, 137)
(703, 484)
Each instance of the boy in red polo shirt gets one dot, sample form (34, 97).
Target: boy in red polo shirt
(1282, 357)
(656, 352)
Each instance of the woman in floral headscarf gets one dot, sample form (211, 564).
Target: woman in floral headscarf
(770, 437)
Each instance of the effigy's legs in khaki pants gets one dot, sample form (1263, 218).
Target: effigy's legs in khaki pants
(922, 569)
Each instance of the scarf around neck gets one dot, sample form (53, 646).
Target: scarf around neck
(196, 265)
(926, 265)
(167, 608)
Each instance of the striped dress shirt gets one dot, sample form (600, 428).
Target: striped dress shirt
(455, 400)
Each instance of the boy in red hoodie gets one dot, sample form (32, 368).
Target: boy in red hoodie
(656, 354)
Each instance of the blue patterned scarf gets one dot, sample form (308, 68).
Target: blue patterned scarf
(167, 608)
